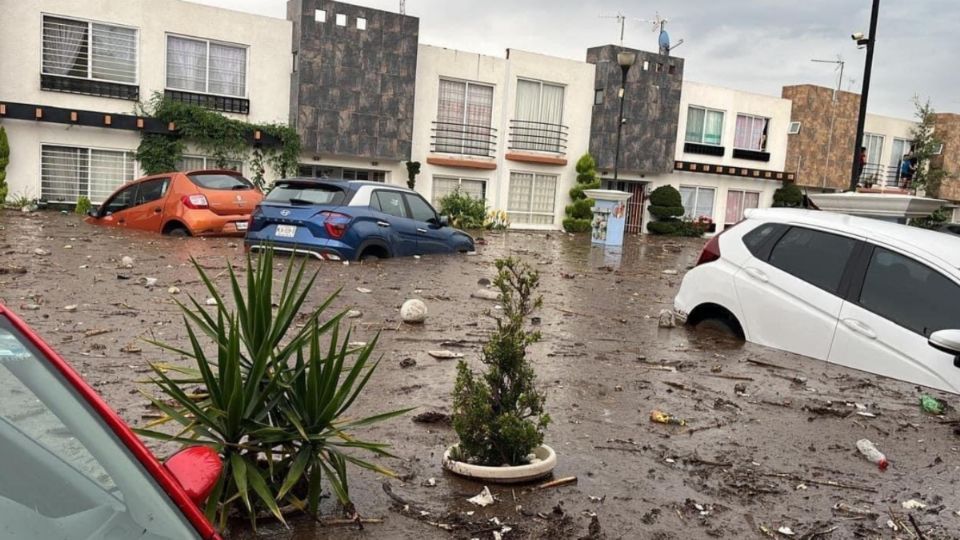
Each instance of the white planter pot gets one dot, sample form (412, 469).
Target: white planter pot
(504, 475)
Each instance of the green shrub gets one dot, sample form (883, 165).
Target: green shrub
(666, 213)
(275, 398)
(582, 206)
(664, 227)
(464, 211)
(933, 221)
(788, 196)
(498, 415)
(413, 169)
(666, 196)
(575, 225)
(83, 206)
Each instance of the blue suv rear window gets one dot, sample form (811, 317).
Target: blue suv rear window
(305, 193)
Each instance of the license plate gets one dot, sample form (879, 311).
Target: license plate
(286, 231)
(241, 225)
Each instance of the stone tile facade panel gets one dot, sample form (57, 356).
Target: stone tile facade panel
(821, 159)
(947, 130)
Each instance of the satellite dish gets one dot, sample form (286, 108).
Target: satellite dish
(664, 43)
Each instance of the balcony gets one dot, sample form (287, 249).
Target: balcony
(538, 136)
(463, 139)
(90, 87)
(704, 149)
(876, 175)
(210, 101)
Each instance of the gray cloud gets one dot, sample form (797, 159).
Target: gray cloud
(753, 45)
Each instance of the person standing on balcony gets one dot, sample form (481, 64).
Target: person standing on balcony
(906, 171)
(863, 162)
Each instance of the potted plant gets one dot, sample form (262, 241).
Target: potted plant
(499, 414)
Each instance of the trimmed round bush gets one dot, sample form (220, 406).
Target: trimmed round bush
(666, 212)
(666, 196)
(664, 227)
(574, 225)
(788, 196)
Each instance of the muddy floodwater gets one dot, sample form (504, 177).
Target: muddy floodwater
(769, 449)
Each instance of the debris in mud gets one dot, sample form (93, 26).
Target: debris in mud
(130, 348)
(408, 362)
(354, 314)
(4, 270)
(364, 290)
(71, 308)
(148, 282)
(413, 311)
(483, 282)
(126, 262)
(870, 452)
(432, 417)
(932, 405)
(740, 389)
(211, 301)
(844, 508)
(30, 307)
(429, 482)
(174, 290)
(41, 252)
(123, 276)
(445, 355)
(667, 319)
(669, 272)
(96, 332)
(661, 417)
(913, 504)
(486, 294)
(484, 498)
(827, 410)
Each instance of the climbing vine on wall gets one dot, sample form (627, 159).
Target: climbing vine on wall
(216, 135)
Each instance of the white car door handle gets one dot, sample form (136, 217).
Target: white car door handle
(756, 274)
(383, 224)
(422, 231)
(860, 328)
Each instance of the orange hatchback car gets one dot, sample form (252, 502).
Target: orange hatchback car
(196, 203)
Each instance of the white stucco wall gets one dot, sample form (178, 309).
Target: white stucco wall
(890, 128)
(435, 63)
(267, 76)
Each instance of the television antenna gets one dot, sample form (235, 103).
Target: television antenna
(403, 7)
(840, 64)
(659, 24)
(621, 20)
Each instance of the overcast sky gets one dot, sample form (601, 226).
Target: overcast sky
(753, 45)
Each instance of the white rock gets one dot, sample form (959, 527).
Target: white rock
(174, 290)
(211, 301)
(413, 311)
(126, 262)
(149, 282)
(913, 504)
(486, 294)
(72, 307)
(445, 355)
(41, 252)
(354, 314)
(364, 290)
(484, 498)
(786, 531)
(667, 319)
(669, 272)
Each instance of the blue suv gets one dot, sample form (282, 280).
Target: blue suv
(350, 220)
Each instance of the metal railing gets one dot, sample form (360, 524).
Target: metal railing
(466, 139)
(880, 176)
(538, 136)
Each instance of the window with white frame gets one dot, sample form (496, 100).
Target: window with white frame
(89, 50)
(532, 198)
(464, 114)
(67, 173)
(445, 185)
(196, 163)
(539, 117)
(207, 67)
(874, 144)
(751, 133)
(737, 202)
(697, 202)
(704, 126)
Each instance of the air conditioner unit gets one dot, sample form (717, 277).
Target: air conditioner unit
(794, 128)
(938, 150)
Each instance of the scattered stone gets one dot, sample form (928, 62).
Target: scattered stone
(12, 270)
(669, 272)
(618, 388)
(41, 252)
(445, 355)
(408, 362)
(483, 282)
(148, 282)
(486, 294)
(71, 308)
(913, 504)
(130, 348)
(484, 498)
(565, 275)
(786, 531)
(123, 276)
(432, 417)
(211, 301)
(430, 482)
(740, 389)
(535, 320)
(126, 262)
(413, 311)
(174, 290)
(31, 307)
(354, 314)
(68, 246)
(364, 290)
(667, 319)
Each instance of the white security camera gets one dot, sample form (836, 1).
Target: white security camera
(856, 36)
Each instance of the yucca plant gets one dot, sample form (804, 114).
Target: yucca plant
(273, 400)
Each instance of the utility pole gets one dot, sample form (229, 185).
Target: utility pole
(869, 41)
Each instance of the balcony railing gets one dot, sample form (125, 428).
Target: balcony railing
(538, 136)
(881, 176)
(465, 139)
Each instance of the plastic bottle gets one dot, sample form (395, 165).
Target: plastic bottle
(661, 417)
(870, 452)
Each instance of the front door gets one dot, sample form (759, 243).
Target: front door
(395, 222)
(884, 328)
(431, 237)
(147, 212)
(115, 211)
(791, 301)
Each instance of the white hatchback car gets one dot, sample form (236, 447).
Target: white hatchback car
(863, 293)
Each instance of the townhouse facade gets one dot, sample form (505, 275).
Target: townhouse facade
(74, 75)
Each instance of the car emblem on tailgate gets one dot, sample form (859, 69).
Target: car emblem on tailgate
(284, 213)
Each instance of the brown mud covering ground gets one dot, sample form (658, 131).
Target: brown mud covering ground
(768, 450)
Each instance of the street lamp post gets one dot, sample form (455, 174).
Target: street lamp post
(868, 42)
(625, 59)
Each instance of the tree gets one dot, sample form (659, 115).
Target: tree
(4, 161)
(665, 205)
(925, 144)
(788, 196)
(580, 213)
(413, 169)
